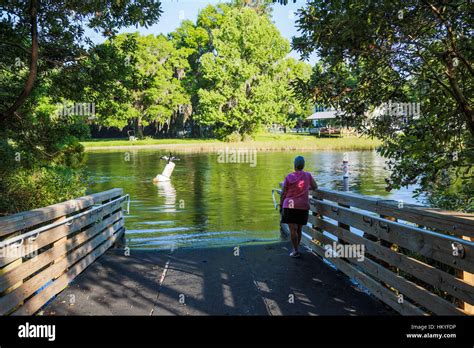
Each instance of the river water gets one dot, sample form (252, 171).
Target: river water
(211, 202)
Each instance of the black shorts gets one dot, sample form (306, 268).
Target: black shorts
(294, 216)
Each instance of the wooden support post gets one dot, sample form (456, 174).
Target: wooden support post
(344, 226)
(61, 240)
(387, 244)
(316, 229)
(468, 278)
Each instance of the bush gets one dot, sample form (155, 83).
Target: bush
(26, 189)
(233, 137)
(247, 137)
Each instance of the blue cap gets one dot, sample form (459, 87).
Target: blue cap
(299, 162)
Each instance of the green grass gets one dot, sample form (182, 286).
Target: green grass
(261, 141)
(125, 142)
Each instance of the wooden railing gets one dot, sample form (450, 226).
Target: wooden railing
(43, 250)
(417, 260)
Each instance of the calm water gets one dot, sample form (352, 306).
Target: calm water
(208, 203)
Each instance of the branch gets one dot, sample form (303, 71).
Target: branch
(8, 43)
(451, 36)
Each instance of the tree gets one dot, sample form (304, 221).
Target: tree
(241, 76)
(377, 52)
(42, 41)
(137, 79)
(290, 108)
(60, 24)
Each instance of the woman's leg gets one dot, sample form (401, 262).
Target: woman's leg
(294, 236)
(298, 231)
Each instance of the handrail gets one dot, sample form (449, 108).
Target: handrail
(59, 223)
(64, 239)
(404, 246)
(273, 196)
(461, 224)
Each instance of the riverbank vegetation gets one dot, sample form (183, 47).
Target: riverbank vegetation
(261, 141)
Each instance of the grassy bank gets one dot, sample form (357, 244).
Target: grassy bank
(264, 142)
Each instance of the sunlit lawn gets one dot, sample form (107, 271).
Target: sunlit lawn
(262, 141)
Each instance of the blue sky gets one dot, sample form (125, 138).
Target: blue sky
(174, 11)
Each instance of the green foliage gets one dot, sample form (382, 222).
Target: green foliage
(226, 73)
(29, 188)
(136, 78)
(233, 137)
(41, 159)
(400, 51)
(243, 75)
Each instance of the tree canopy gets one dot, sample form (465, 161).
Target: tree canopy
(42, 44)
(379, 52)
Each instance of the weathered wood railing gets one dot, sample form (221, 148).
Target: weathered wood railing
(43, 250)
(417, 260)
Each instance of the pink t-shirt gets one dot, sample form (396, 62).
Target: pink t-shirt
(297, 190)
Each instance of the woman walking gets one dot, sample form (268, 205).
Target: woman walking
(294, 202)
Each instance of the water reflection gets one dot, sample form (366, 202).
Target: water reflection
(208, 203)
(168, 192)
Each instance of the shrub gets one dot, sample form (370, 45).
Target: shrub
(27, 189)
(233, 137)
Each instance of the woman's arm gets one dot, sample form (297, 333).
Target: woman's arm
(283, 194)
(313, 184)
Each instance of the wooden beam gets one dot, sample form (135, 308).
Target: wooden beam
(31, 266)
(385, 295)
(36, 302)
(430, 244)
(457, 223)
(55, 233)
(427, 273)
(29, 219)
(407, 288)
(13, 299)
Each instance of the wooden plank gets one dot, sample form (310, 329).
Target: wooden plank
(12, 300)
(427, 273)
(347, 198)
(409, 289)
(460, 224)
(59, 241)
(36, 302)
(28, 219)
(11, 267)
(385, 243)
(457, 223)
(385, 295)
(33, 265)
(55, 233)
(430, 244)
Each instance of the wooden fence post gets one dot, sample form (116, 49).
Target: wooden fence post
(468, 278)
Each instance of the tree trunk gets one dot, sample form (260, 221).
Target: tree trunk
(33, 64)
(138, 128)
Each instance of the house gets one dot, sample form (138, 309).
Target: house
(322, 118)
(324, 122)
